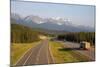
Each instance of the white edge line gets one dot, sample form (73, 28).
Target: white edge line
(47, 53)
(22, 56)
(51, 54)
(38, 55)
(27, 58)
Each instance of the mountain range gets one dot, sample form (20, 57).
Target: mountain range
(52, 24)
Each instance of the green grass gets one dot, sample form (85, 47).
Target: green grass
(18, 49)
(65, 56)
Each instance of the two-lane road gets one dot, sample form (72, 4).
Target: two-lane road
(40, 54)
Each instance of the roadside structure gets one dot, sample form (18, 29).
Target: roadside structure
(85, 45)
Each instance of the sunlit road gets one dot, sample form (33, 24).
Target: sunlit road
(40, 54)
(89, 53)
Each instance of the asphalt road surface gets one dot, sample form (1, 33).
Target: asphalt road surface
(40, 54)
(74, 46)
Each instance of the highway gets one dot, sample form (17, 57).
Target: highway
(75, 46)
(39, 54)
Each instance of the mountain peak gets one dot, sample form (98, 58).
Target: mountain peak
(53, 23)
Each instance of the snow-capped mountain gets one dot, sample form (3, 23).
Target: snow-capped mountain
(17, 18)
(53, 23)
(35, 19)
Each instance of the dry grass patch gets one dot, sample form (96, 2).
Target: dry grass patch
(18, 49)
(65, 56)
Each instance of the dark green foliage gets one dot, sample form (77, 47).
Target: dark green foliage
(78, 37)
(23, 34)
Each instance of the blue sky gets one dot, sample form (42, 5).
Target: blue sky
(78, 14)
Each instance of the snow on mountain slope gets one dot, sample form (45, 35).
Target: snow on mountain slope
(53, 23)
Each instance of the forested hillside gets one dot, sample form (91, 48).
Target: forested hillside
(78, 37)
(23, 34)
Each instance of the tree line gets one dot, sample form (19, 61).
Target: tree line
(78, 37)
(23, 34)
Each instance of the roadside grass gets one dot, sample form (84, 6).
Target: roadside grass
(18, 49)
(65, 56)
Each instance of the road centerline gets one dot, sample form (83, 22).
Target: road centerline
(37, 57)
